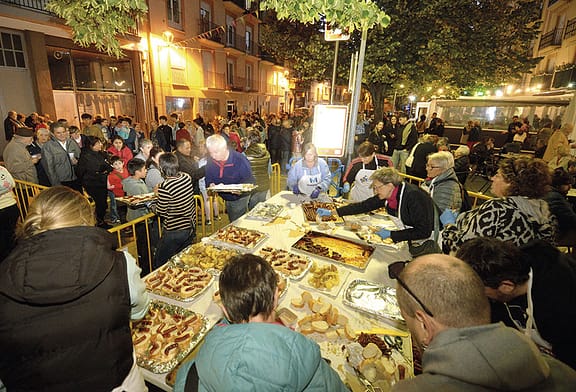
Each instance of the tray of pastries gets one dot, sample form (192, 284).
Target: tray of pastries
(244, 240)
(266, 212)
(334, 248)
(326, 278)
(311, 207)
(166, 335)
(137, 200)
(205, 256)
(290, 264)
(179, 281)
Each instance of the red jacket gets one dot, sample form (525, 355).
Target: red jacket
(125, 154)
(115, 182)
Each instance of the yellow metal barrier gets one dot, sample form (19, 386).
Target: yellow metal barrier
(200, 218)
(25, 192)
(275, 179)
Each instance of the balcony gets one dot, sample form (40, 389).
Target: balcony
(542, 81)
(243, 4)
(214, 32)
(36, 5)
(214, 80)
(240, 43)
(241, 84)
(551, 38)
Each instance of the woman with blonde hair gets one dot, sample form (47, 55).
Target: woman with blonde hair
(310, 175)
(67, 298)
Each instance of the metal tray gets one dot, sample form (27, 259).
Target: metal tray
(173, 265)
(284, 270)
(374, 299)
(361, 266)
(309, 209)
(265, 212)
(200, 330)
(334, 291)
(248, 248)
(206, 256)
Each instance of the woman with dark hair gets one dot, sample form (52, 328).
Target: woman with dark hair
(119, 148)
(67, 298)
(378, 138)
(153, 175)
(360, 169)
(92, 171)
(517, 214)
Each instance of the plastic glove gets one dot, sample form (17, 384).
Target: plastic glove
(448, 217)
(296, 190)
(346, 187)
(315, 193)
(323, 212)
(383, 233)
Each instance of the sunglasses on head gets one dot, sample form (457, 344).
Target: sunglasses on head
(394, 271)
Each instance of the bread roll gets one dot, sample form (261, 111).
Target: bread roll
(371, 351)
(297, 302)
(320, 326)
(306, 329)
(350, 333)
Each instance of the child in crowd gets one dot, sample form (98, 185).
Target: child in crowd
(258, 352)
(115, 189)
(135, 185)
(119, 149)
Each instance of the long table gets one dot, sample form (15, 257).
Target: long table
(283, 233)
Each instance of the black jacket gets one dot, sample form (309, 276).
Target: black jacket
(92, 169)
(417, 211)
(560, 207)
(421, 153)
(190, 166)
(65, 311)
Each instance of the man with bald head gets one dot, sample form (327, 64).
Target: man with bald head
(443, 302)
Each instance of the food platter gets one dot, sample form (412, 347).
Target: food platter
(166, 335)
(374, 299)
(232, 187)
(311, 216)
(265, 212)
(179, 281)
(205, 256)
(239, 238)
(137, 201)
(332, 248)
(326, 278)
(290, 264)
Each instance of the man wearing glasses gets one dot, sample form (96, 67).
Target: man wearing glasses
(443, 302)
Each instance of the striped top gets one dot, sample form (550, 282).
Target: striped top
(176, 204)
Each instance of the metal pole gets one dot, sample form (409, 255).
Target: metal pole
(356, 96)
(333, 90)
(394, 109)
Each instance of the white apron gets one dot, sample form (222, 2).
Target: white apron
(308, 182)
(362, 188)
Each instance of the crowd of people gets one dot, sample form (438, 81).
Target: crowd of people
(498, 306)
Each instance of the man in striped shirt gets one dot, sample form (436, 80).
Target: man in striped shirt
(176, 207)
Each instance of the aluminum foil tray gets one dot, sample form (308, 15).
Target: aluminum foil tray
(265, 212)
(281, 261)
(206, 256)
(179, 281)
(165, 316)
(374, 299)
(238, 238)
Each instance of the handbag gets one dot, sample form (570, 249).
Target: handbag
(428, 246)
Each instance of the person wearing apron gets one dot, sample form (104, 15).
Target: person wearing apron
(360, 170)
(310, 175)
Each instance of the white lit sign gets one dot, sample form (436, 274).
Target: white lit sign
(329, 130)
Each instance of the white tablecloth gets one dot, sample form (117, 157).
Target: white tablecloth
(281, 235)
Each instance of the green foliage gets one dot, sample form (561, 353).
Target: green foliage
(428, 44)
(99, 22)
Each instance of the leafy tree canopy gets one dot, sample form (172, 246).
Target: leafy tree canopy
(429, 44)
(99, 22)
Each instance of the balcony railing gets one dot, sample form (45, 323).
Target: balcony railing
(214, 33)
(37, 5)
(252, 6)
(214, 80)
(241, 84)
(241, 43)
(570, 28)
(551, 38)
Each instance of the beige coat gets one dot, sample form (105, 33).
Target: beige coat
(557, 139)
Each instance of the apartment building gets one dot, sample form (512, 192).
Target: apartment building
(557, 47)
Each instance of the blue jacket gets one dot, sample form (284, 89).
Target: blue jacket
(236, 170)
(299, 169)
(260, 357)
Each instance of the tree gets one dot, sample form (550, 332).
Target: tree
(453, 44)
(99, 22)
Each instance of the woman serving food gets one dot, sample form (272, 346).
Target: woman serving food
(412, 206)
(310, 175)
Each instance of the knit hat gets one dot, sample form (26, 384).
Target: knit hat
(24, 132)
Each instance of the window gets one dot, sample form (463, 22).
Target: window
(248, 38)
(230, 73)
(11, 51)
(173, 11)
(205, 17)
(249, 77)
(230, 31)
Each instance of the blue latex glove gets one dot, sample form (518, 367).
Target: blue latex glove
(448, 217)
(296, 190)
(323, 212)
(346, 188)
(315, 193)
(383, 233)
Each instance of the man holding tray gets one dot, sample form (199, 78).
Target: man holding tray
(228, 167)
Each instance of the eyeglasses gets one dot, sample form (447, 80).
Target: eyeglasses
(394, 271)
(376, 187)
(432, 167)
